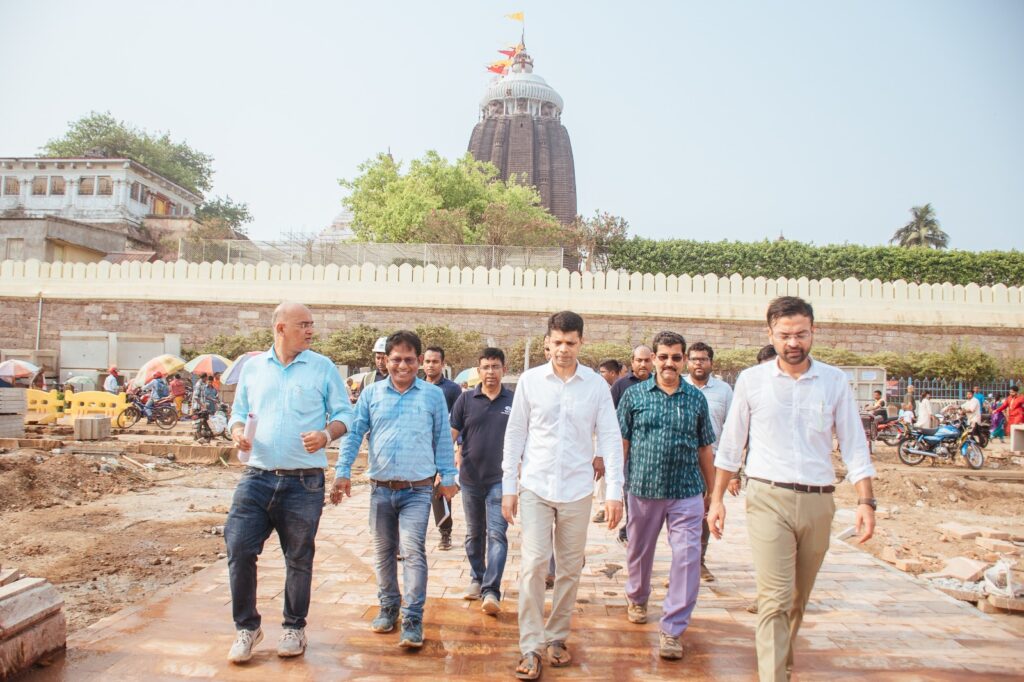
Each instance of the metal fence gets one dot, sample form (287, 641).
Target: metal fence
(326, 251)
(945, 389)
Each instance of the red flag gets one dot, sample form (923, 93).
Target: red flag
(496, 69)
(509, 53)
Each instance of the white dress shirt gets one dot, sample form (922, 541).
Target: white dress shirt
(549, 440)
(790, 423)
(110, 384)
(719, 397)
(973, 410)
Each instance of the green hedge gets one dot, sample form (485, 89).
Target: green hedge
(796, 259)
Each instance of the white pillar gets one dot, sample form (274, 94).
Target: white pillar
(70, 194)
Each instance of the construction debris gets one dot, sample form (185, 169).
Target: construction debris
(32, 624)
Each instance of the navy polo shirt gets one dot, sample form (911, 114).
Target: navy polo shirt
(451, 390)
(620, 386)
(481, 422)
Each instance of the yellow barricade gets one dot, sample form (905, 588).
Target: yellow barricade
(94, 402)
(41, 407)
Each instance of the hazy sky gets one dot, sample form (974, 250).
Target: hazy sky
(823, 120)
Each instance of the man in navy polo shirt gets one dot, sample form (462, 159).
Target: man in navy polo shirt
(433, 372)
(481, 415)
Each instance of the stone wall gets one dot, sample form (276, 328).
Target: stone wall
(201, 300)
(199, 322)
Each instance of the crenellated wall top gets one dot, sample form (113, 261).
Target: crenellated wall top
(659, 295)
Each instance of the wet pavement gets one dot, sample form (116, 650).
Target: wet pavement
(866, 621)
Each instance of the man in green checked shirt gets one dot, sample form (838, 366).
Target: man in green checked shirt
(668, 436)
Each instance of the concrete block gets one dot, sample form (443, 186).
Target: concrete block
(993, 533)
(961, 568)
(22, 650)
(909, 565)
(92, 427)
(1007, 603)
(8, 576)
(958, 531)
(889, 554)
(985, 606)
(26, 602)
(995, 545)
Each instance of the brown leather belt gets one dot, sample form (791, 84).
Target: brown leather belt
(295, 472)
(798, 487)
(403, 485)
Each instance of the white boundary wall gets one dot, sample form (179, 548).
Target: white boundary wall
(848, 301)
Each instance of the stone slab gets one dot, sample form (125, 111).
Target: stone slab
(996, 545)
(19, 652)
(993, 533)
(1007, 603)
(26, 602)
(958, 531)
(961, 568)
(8, 576)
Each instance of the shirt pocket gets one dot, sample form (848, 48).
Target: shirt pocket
(816, 413)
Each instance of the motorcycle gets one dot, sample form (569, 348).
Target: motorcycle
(952, 436)
(162, 412)
(208, 427)
(891, 430)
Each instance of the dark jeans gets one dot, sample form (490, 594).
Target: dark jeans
(398, 523)
(263, 502)
(438, 504)
(485, 534)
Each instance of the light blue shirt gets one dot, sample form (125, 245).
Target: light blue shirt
(410, 438)
(288, 401)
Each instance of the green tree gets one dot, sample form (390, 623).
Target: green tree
(226, 215)
(595, 237)
(231, 346)
(352, 346)
(923, 230)
(103, 135)
(438, 201)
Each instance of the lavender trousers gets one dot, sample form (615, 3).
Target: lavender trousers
(683, 519)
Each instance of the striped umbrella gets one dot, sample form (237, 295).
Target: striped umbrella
(469, 377)
(17, 369)
(207, 363)
(165, 364)
(234, 371)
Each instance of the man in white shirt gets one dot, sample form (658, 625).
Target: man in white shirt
(789, 409)
(548, 473)
(110, 384)
(972, 408)
(700, 359)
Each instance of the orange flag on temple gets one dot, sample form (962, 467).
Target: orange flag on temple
(496, 69)
(512, 52)
(517, 16)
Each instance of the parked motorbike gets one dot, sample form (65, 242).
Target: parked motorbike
(891, 430)
(208, 427)
(953, 436)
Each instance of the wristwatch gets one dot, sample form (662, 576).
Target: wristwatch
(327, 435)
(869, 501)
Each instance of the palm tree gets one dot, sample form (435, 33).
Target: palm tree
(923, 230)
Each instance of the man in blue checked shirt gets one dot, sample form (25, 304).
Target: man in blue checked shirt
(301, 405)
(410, 442)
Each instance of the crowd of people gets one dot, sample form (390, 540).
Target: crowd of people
(658, 448)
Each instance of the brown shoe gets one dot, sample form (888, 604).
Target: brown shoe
(669, 647)
(558, 654)
(637, 613)
(549, 582)
(529, 666)
(706, 575)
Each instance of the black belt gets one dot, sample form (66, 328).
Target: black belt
(798, 487)
(403, 485)
(292, 472)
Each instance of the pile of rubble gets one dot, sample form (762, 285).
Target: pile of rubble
(32, 624)
(995, 585)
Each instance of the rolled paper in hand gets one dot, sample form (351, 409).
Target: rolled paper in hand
(248, 433)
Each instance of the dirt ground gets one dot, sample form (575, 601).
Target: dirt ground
(107, 532)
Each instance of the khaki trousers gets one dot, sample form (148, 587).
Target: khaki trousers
(789, 535)
(570, 521)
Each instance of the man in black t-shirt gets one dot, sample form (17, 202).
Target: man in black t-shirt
(433, 371)
(480, 415)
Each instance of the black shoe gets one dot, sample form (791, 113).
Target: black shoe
(446, 542)
(623, 540)
(549, 582)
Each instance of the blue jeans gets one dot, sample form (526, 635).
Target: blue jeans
(398, 520)
(485, 533)
(291, 505)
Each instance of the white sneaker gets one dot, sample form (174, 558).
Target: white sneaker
(292, 642)
(491, 605)
(245, 640)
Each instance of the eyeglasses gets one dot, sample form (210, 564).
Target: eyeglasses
(395, 362)
(801, 337)
(663, 357)
(304, 325)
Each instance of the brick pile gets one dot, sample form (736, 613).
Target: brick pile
(12, 413)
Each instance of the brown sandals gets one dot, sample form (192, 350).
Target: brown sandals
(529, 666)
(558, 654)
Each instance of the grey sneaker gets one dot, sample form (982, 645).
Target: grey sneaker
(491, 605)
(245, 640)
(637, 613)
(473, 592)
(292, 642)
(412, 634)
(669, 647)
(385, 620)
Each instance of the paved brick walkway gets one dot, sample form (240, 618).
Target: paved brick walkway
(866, 620)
